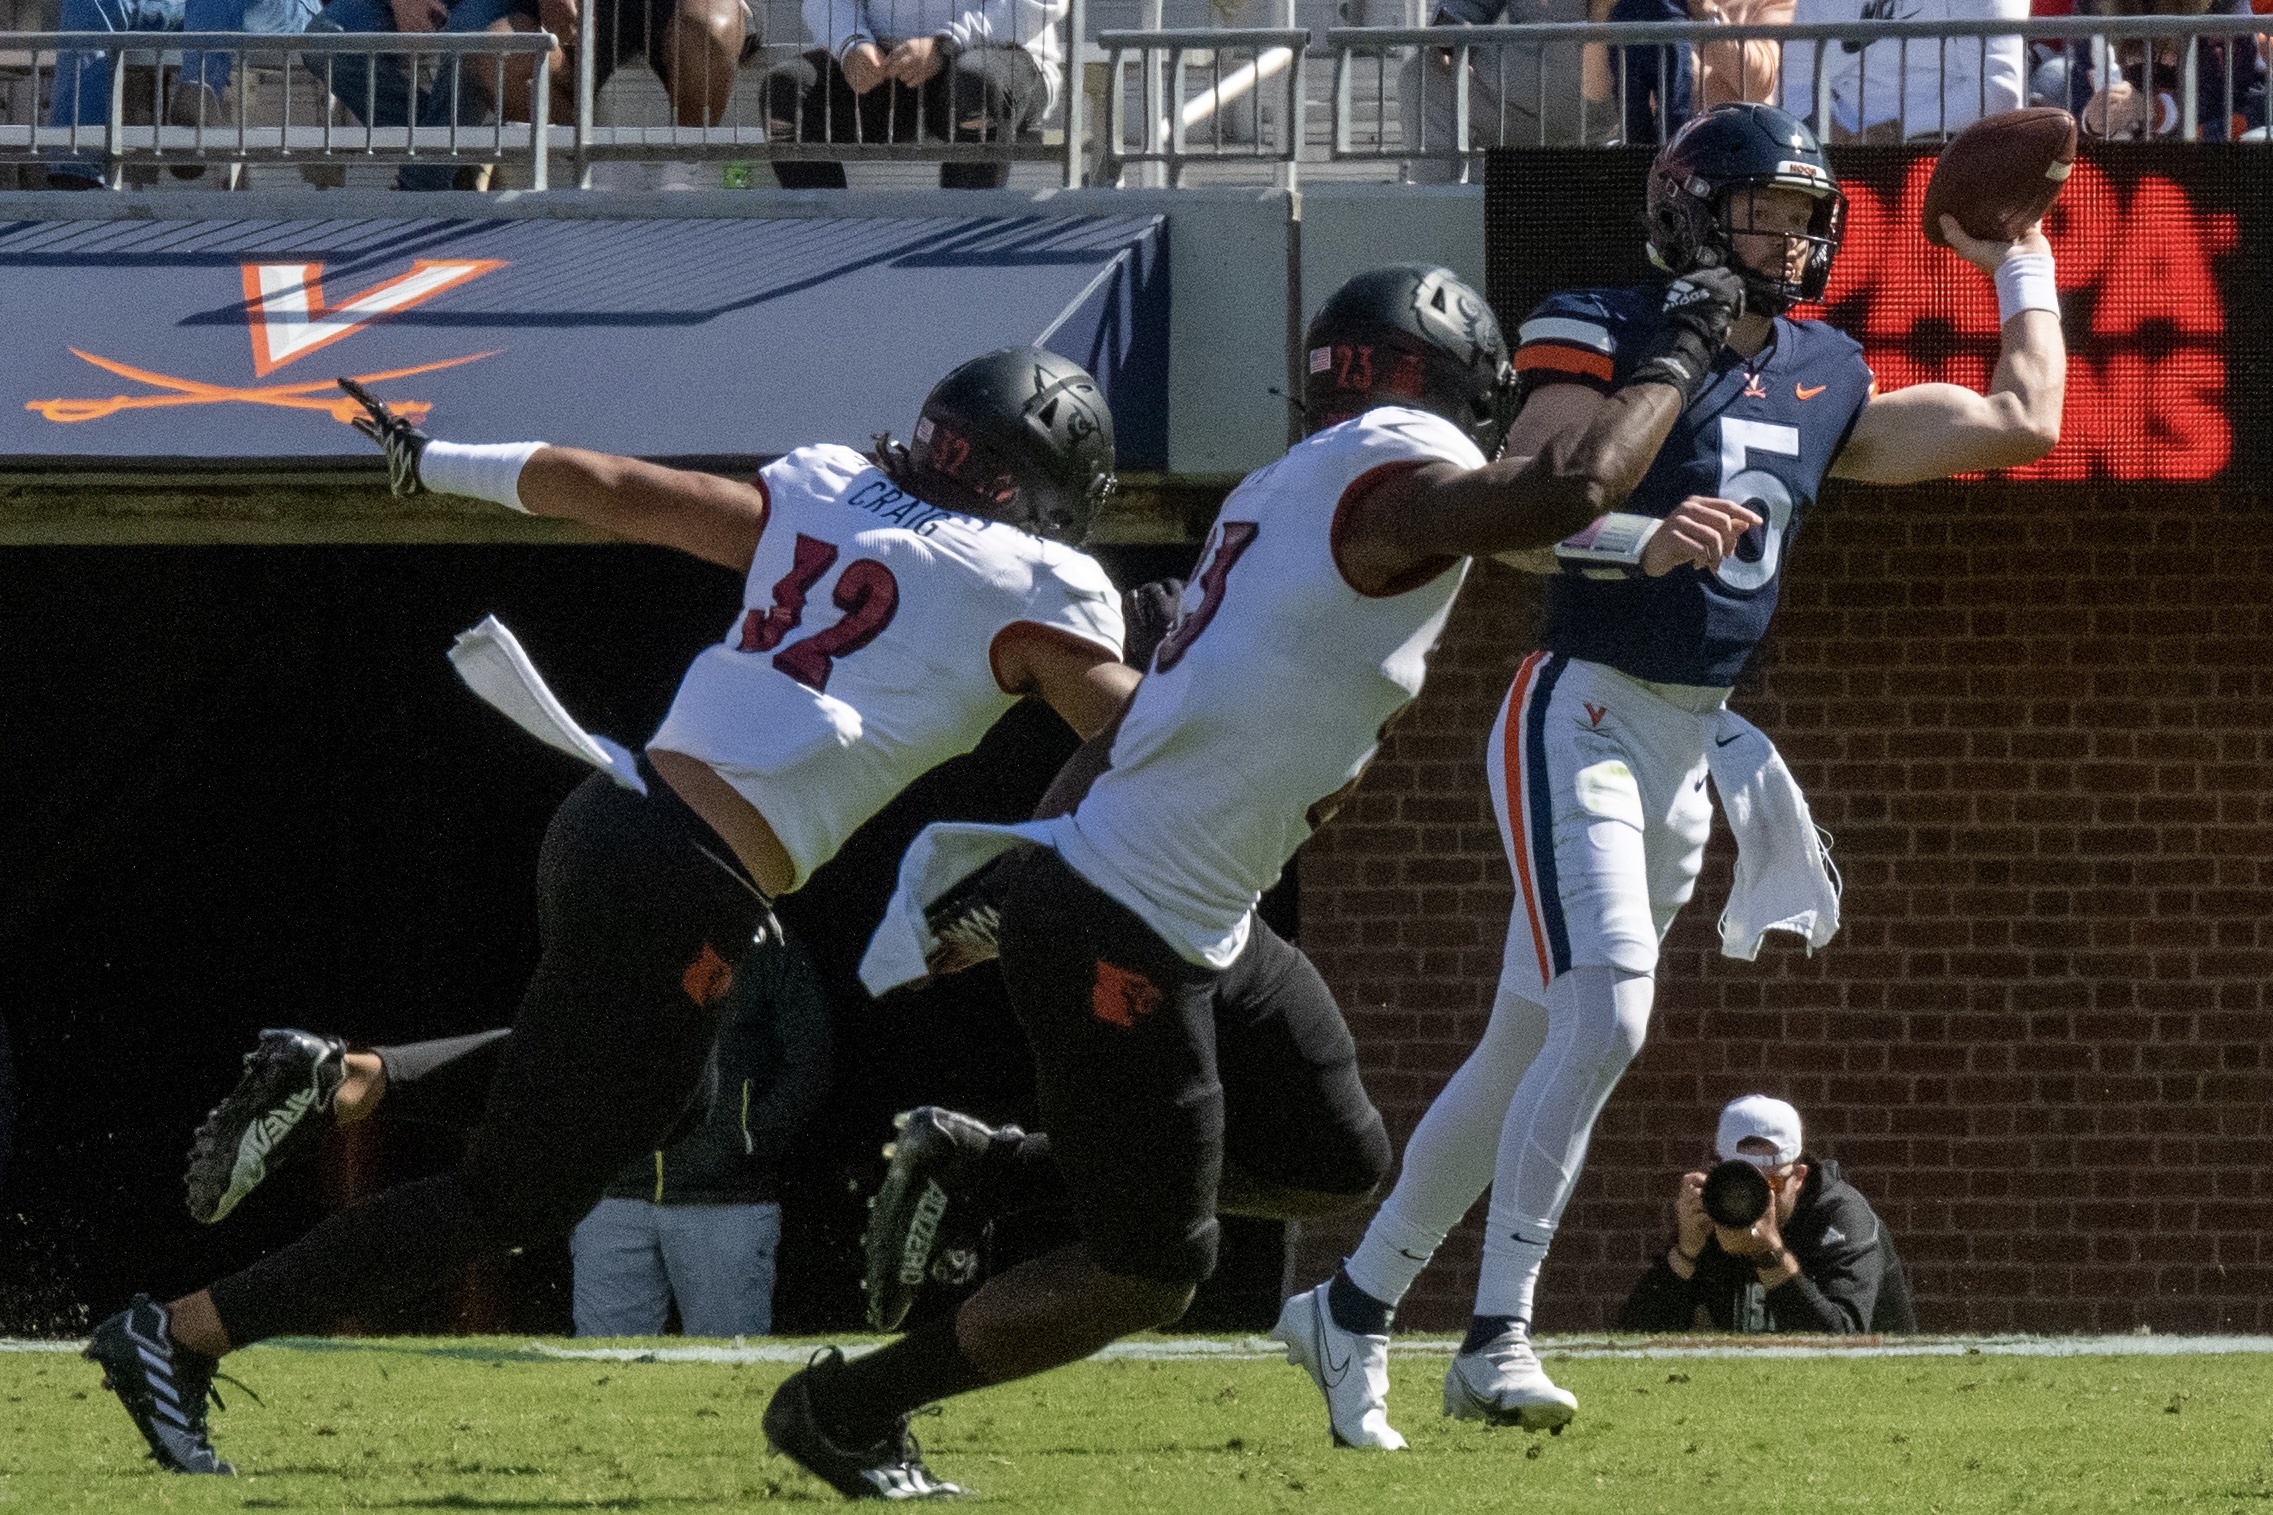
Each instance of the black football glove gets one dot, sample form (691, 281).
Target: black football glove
(1149, 612)
(402, 441)
(1693, 324)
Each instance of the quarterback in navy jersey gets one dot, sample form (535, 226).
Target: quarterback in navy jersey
(1597, 763)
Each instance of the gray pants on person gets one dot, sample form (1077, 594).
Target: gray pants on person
(633, 1258)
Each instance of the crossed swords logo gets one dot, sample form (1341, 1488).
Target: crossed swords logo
(289, 321)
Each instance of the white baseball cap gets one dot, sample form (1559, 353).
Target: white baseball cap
(1758, 1115)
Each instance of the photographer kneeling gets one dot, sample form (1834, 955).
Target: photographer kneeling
(1769, 1242)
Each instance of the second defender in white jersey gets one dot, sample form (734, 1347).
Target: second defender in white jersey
(894, 609)
(1187, 1060)
(1226, 760)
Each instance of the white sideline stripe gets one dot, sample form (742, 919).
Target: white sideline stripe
(1199, 1349)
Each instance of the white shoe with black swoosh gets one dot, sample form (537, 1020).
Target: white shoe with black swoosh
(1502, 1384)
(1350, 1368)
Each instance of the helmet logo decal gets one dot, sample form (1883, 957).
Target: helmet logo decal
(1321, 359)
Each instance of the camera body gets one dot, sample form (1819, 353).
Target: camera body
(1736, 1194)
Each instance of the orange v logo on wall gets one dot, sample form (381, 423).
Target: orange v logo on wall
(289, 319)
(178, 339)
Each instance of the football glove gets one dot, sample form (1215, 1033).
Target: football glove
(1693, 323)
(401, 441)
(1149, 612)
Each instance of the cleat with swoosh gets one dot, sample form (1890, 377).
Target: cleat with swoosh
(1350, 1368)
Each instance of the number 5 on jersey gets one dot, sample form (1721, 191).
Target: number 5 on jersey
(865, 591)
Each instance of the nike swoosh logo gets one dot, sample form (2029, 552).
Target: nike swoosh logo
(1723, 741)
(1808, 394)
(1415, 1256)
(1335, 1371)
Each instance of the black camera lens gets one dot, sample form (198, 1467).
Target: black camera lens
(1736, 1194)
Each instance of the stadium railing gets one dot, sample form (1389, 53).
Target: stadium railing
(1204, 94)
(291, 125)
(1238, 100)
(1553, 50)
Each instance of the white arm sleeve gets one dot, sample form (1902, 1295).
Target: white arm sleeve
(1006, 23)
(2004, 73)
(837, 24)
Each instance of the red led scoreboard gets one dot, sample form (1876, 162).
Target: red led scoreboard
(2168, 344)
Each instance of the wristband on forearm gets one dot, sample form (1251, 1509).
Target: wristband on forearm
(1611, 548)
(484, 471)
(2025, 282)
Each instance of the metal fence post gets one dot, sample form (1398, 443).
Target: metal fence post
(1076, 90)
(587, 91)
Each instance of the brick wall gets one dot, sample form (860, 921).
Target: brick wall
(2039, 724)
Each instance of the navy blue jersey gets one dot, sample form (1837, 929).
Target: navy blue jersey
(1762, 432)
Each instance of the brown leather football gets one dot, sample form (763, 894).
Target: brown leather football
(2001, 173)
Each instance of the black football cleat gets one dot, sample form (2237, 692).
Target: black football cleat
(277, 1114)
(163, 1387)
(936, 1162)
(890, 1469)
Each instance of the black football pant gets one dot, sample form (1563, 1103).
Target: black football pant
(1157, 1079)
(809, 100)
(642, 920)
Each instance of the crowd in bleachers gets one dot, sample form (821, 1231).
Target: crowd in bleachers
(926, 75)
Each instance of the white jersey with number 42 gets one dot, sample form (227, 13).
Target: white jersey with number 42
(1266, 703)
(863, 655)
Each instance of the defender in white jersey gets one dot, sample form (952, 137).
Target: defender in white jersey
(1599, 758)
(1187, 1060)
(896, 606)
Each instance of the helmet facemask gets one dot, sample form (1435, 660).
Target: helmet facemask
(1772, 293)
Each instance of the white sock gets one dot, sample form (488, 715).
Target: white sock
(481, 470)
(1448, 1161)
(1596, 1019)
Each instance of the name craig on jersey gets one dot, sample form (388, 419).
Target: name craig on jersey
(882, 498)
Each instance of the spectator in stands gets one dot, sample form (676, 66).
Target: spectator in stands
(2117, 90)
(1554, 95)
(1885, 93)
(382, 96)
(702, 1222)
(83, 80)
(1662, 85)
(1816, 1260)
(900, 70)
(694, 46)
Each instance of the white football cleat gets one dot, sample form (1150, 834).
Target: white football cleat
(1351, 1369)
(1503, 1384)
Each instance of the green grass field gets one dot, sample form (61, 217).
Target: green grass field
(490, 1425)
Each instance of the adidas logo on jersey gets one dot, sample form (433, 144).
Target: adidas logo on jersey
(923, 1230)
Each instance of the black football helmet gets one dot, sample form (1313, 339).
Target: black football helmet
(1700, 195)
(1410, 334)
(1021, 436)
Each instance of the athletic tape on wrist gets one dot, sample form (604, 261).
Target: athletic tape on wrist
(482, 470)
(1611, 547)
(2024, 282)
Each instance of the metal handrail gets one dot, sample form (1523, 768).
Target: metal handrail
(1465, 45)
(756, 141)
(1172, 109)
(114, 142)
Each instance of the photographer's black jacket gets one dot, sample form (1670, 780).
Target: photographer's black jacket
(1850, 1279)
(767, 1076)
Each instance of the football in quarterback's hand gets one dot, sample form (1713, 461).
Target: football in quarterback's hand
(2001, 174)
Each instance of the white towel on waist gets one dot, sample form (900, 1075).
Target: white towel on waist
(489, 658)
(943, 855)
(1784, 878)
